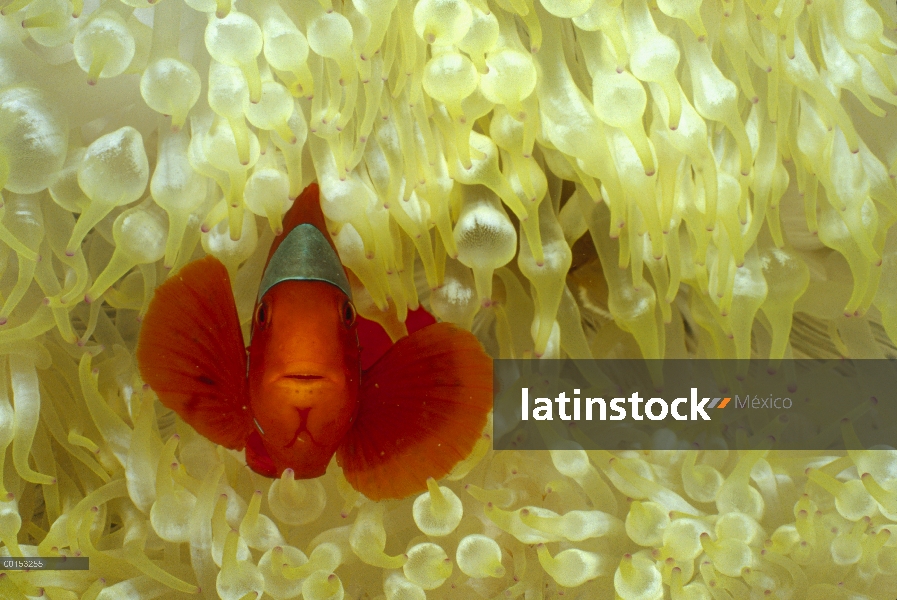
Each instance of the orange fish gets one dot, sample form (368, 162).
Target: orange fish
(301, 396)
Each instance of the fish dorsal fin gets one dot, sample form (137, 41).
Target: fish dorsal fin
(191, 352)
(422, 407)
(306, 209)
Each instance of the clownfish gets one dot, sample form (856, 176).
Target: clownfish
(298, 394)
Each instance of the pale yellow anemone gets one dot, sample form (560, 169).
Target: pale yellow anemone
(675, 179)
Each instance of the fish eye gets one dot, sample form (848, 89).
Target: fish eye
(261, 314)
(349, 313)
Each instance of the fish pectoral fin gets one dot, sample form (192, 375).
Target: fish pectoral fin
(191, 352)
(422, 407)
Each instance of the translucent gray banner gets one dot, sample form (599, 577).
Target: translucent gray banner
(699, 404)
(51, 563)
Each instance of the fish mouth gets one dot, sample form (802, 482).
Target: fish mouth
(304, 376)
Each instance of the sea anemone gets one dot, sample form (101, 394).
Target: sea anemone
(675, 178)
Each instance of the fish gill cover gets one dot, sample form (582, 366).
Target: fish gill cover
(582, 178)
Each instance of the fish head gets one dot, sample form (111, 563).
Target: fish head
(303, 373)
